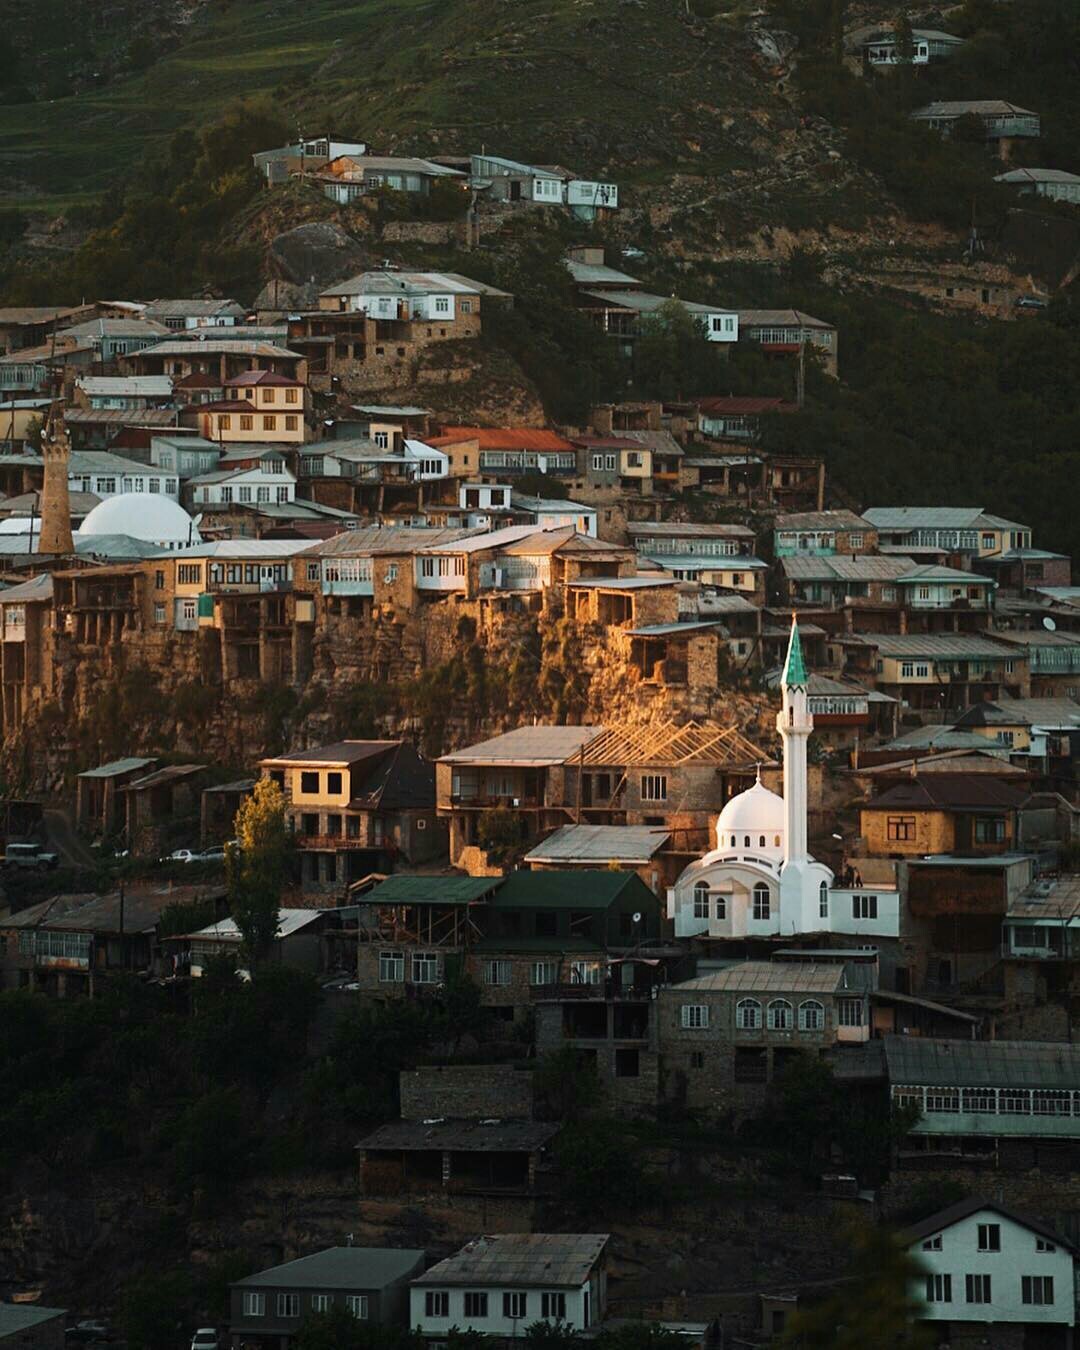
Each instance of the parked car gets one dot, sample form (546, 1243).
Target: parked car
(212, 855)
(29, 855)
(206, 1338)
(184, 855)
(82, 1333)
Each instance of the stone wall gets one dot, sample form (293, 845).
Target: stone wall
(461, 1091)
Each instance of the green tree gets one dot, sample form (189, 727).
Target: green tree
(598, 1170)
(673, 357)
(255, 869)
(565, 1084)
(154, 1309)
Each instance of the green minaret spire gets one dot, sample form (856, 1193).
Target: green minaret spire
(794, 669)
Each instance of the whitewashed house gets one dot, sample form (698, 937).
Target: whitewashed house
(1056, 184)
(500, 1285)
(554, 514)
(509, 180)
(986, 1263)
(108, 475)
(431, 463)
(257, 486)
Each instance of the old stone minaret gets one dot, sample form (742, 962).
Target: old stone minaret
(55, 504)
(794, 723)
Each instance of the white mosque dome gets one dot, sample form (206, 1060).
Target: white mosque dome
(756, 813)
(142, 515)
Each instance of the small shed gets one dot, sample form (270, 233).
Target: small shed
(460, 1157)
(99, 808)
(217, 817)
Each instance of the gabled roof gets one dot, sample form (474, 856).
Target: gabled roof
(686, 530)
(530, 747)
(553, 1260)
(763, 977)
(339, 754)
(977, 107)
(507, 438)
(932, 1062)
(930, 572)
(1037, 176)
(964, 1209)
(780, 318)
(734, 406)
(1044, 712)
(262, 378)
(550, 890)
(632, 845)
(949, 792)
(822, 520)
(40, 588)
(670, 744)
(428, 889)
(345, 1268)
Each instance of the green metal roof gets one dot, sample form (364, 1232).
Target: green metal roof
(794, 669)
(566, 890)
(430, 890)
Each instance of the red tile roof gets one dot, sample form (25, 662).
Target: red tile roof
(508, 438)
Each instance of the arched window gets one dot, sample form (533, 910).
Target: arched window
(781, 1015)
(761, 841)
(823, 900)
(701, 900)
(762, 907)
(748, 1014)
(746, 841)
(776, 841)
(733, 841)
(811, 1015)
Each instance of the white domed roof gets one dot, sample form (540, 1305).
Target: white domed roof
(756, 811)
(142, 515)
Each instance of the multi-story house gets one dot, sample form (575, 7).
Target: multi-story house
(371, 1283)
(508, 180)
(1052, 660)
(107, 475)
(1040, 732)
(787, 332)
(306, 156)
(939, 670)
(936, 532)
(181, 315)
(883, 48)
(125, 393)
(514, 450)
(987, 1269)
(1019, 569)
(270, 482)
(822, 533)
(942, 813)
(219, 358)
(738, 418)
(502, 1284)
(357, 807)
(1001, 121)
(687, 551)
(348, 177)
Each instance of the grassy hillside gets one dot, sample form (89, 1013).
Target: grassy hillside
(592, 81)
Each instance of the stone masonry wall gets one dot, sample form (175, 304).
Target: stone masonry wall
(460, 1091)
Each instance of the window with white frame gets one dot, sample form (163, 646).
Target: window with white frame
(932, 1244)
(425, 968)
(762, 907)
(436, 1303)
(476, 1304)
(515, 1304)
(850, 1012)
(701, 900)
(823, 900)
(391, 967)
(811, 1015)
(864, 906)
(989, 1235)
(497, 972)
(288, 1305)
(748, 1014)
(357, 1305)
(1041, 1245)
(694, 1016)
(943, 1099)
(553, 1306)
(322, 1302)
(254, 1304)
(544, 973)
(654, 787)
(781, 1016)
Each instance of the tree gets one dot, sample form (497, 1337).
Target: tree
(673, 357)
(255, 869)
(875, 1305)
(565, 1084)
(154, 1309)
(597, 1170)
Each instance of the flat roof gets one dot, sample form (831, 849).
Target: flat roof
(764, 977)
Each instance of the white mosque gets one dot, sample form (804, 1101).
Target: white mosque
(760, 880)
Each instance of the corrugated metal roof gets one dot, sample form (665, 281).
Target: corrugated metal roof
(527, 746)
(348, 1268)
(644, 303)
(861, 567)
(289, 921)
(922, 517)
(1037, 176)
(686, 530)
(600, 843)
(979, 107)
(765, 977)
(557, 890)
(38, 589)
(940, 646)
(508, 438)
(115, 768)
(138, 386)
(932, 572)
(521, 1259)
(621, 583)
(425, 889)
(16, 1318)
(779, 318)
(919, 1060)
(821, 520)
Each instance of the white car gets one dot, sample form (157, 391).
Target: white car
(184, 855)
(206, 1338)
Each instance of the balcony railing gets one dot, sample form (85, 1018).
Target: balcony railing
(332, 842)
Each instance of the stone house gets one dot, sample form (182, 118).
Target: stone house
(369, 1282)
(99, 803)
(162, 809)
(357, 807)
(217, 357)
(1020, 569)
(940, 670)
(27, 648)
(942, 813)
(822, 533)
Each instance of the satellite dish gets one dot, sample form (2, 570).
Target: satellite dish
(637, 916)
(1049, 624)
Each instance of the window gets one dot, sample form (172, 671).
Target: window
(254, 1305)
(159, 613)
(269, 422)
(989, 1237)
(476, 1304)
(654, 787)
(1041, 1245)
(762, 907)
(226, 495)
(990, 830)
(544, 972)
(900, 829)
(850, 1012)
(425, 968)
(721, 906)
(811, 1015)
(291, 422)
(391, 967)
(247, 422)
(598, 463)
(855, 541)
(159, 580)
(748, 1014)
(466, 306)
(694, 1016)
(442, 305)
(977, 1288)
(553, 1306)
(321, 1302)
(864, 906)
(584, 972)
(436, 1303)
(823, 900)
(309, 782)
(938, 1287)
(497, 972)
(1037, 1288)
(291, 395)
(697, 1059)
(357, 1305)
(701, 900)
(224, 422)
(244, 494)
(781, 1015)
(288, 1305)
(515, 1305)
(932, 1244)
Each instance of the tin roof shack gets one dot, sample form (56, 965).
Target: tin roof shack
(500, 1284)
(726, 1034)
(218, 808)
(100, 808)
(369, 1282)
(162, 808)
(297, 942)
(942, 813)
(1013, 1105)
(66, 945)
(1014, 1273)
(29, 1326)
(952, 922)
(357, 807)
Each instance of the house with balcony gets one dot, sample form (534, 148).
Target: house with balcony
(687, 551)
(985, 1267)
(1001, 121)
(724, 1035)
(1042, 925)
(189, 315)
(739, 419)
(370, 1283)
(501, 1284)
(822, 533)
(942, 670)
(515, 450)
(1043, 733)
(268, 483)
(931, 587)
(1052, 659)
(508, 180)
(348, 177)
(865, 583)
(218, 358)
(943, 813)
(787, 332)
(357, 807)
(624, 313)
(1055, 184)
(882, 48)
(1013, 1105)
(934, 533)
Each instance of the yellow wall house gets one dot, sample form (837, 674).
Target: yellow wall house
(942, 813)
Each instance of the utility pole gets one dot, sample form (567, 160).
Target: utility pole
(800, 382)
